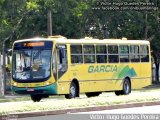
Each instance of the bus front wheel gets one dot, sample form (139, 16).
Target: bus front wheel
(36, 98)
(73, 91)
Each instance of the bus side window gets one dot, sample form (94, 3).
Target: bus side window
(124, 53)
(144, 53)
(134, 53)
(89, 53)
(101, 54)
(76, 54)
(113, 53)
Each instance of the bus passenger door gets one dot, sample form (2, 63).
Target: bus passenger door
(62, 60)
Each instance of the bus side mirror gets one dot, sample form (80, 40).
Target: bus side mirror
(9, 52)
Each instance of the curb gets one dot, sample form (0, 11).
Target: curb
(75, 110)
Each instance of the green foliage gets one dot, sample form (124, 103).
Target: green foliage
(76, 19)
(31, 5)
(21, 19)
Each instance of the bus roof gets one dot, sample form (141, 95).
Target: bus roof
(63, 40)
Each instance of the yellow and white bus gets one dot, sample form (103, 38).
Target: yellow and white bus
(59, 66)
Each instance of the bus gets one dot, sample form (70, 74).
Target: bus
(59, 66)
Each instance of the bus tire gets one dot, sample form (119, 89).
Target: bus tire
(73, 91)
(36, 98)
(126, 87)
(93, 94)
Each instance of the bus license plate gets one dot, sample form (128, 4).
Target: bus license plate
(30, 90)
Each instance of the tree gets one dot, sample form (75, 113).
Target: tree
(77, 19)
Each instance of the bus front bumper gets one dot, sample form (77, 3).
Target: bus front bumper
(47, 90)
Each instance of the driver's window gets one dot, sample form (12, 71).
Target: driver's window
(54, 66)
(62, 59)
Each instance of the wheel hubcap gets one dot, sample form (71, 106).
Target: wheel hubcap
(126, 87)
(73, 91)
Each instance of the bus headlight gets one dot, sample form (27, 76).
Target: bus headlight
(14, 84)
(47, 83)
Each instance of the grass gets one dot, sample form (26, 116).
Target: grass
(27, 98)
(14, 99)
(24, 104)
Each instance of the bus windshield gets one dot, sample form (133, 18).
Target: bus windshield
(31, 63)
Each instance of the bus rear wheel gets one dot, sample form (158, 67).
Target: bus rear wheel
(73, 91)
(126, 88)
(93, 94)
(36, 98)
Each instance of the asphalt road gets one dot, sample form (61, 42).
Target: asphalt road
(139, 113)
(135, 110)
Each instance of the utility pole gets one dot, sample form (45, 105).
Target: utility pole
(4, 65)
(1, 79)
(49, 23)
(3, 70)
(146, 24)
